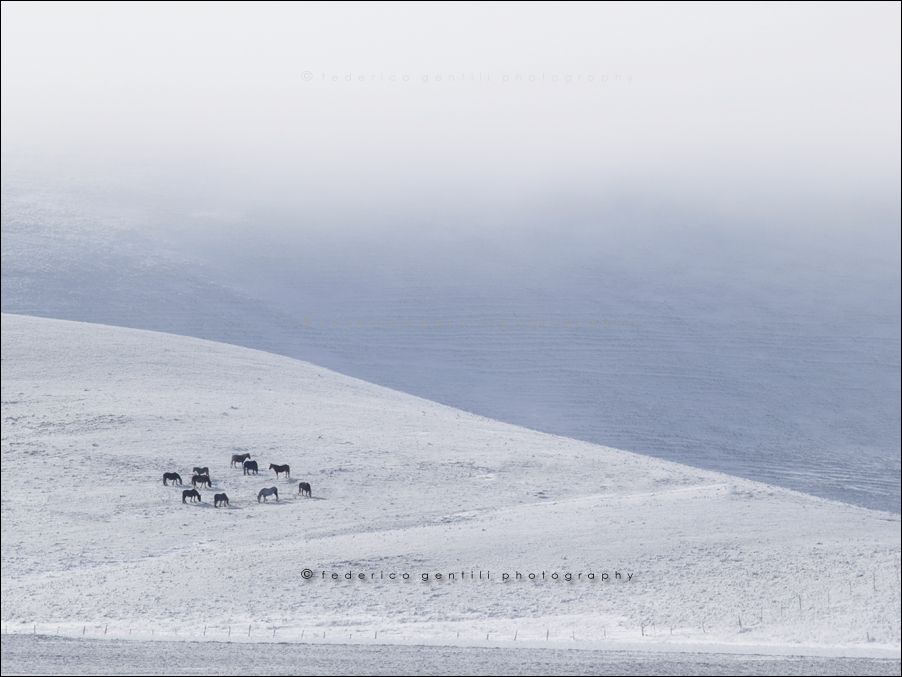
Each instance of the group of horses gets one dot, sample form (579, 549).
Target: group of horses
(194, 495)
(202, 478)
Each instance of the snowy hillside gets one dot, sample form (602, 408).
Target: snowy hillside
(92, 542)
(770, 355)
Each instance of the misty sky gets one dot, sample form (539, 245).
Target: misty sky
(721, 103)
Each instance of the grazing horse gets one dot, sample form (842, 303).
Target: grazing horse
(201, 471)
(281, 468)
(192, 494)
(239, 458)
(220, 498)
(272, 491)
(172, 477)
(201, 480)
(304, 488)
(249, 467)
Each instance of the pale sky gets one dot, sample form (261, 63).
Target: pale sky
(709, 100)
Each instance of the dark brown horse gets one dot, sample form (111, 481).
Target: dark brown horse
(304, 488)
(250, 467)
(193, 494)
(280, 468)
(201, 480)
(201, 471)
(173, 477)
(220, 498)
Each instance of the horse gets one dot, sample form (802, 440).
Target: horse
(220, 498)
(171, 476)
(304, 488)
(250, 466)
(192, 494)
(201, 480)
(239, 458)
(281, 468)
(201, 471)
(272, 491)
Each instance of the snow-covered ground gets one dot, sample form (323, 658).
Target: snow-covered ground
(43, 655)
(93, 544)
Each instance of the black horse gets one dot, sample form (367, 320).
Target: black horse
(239, 458)
(173, 477)
(304, 488)
(201, 480)
(201, 471)
(281, 468)
(193, 494)
(250, 467)
(220, 498)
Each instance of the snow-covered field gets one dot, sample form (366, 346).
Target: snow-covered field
(93, 544)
